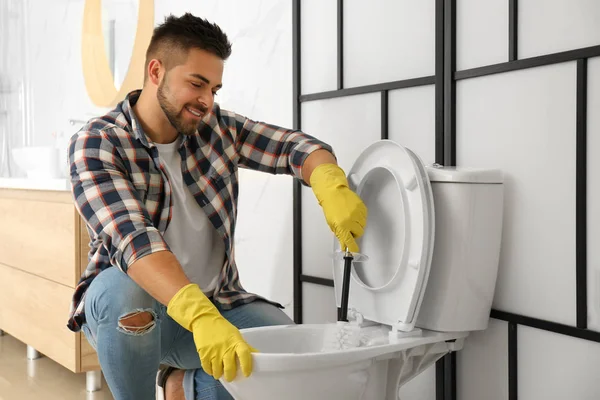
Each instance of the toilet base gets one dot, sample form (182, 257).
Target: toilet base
(399, 368)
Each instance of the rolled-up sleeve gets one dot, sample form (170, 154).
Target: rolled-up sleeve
(108, 202)
(273, 149)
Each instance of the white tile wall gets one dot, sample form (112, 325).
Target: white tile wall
(319, 304)
(318, 46)
(421, 387)
(388, 40)
(349, 124)
(523, 122)
(550, 26)
(264, 240)
(412, 120)
(481, 33)
(482, 365)
(593, 199)
(556, 367)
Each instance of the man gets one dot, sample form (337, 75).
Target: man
(156, 182)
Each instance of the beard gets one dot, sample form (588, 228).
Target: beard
(173, 114)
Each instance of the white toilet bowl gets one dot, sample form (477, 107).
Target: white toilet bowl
(291, 364)
(433, 241)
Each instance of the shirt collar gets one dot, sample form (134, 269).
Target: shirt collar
(136, 128)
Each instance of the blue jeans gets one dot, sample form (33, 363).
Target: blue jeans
(130, 360)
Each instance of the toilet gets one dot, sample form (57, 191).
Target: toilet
(432, 247)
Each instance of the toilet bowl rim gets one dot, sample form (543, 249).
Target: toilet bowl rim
(282, 362)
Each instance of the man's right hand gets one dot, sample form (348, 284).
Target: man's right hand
(218, 342)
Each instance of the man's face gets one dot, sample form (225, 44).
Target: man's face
(186, 92)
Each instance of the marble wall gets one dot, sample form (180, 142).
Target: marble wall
(257, 83)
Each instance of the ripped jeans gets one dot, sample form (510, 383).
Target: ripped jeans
(130, 358)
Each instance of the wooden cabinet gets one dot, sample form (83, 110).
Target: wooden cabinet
(43, 249)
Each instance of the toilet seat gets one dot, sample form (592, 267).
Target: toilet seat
(388, 288)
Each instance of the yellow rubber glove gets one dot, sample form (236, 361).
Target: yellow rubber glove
(218, 341)
(344, 211)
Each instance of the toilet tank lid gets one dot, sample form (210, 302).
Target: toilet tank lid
(440, 173)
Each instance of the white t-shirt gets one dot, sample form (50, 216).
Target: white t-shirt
(191, 236)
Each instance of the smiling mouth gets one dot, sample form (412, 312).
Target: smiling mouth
(195, 112)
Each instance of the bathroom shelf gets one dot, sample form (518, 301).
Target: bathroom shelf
(43, 250)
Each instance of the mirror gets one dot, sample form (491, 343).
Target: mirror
(128, 25)
(119, 25)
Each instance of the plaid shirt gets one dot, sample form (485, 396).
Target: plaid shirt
(122, 192)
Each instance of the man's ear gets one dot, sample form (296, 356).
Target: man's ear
(155, 71)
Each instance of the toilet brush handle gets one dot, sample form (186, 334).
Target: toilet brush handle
(346, 286)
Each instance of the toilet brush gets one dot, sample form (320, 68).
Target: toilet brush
(344, 334)
(343, 316)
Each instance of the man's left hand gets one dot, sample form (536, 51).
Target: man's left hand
(344, 211)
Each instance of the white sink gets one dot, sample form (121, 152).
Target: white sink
(40, 162)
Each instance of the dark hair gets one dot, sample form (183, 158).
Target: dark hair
(180, 34)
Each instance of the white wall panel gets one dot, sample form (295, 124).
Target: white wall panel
(264, 245)
(593, 182)
(523, 122)
(421, 387)
(550, 26)
(482, 365)
(556, 367)
(318, 305)
(412, 120)
(318, 46)
(388, 40)
(481, 33)
(349, 124)
(317, 238)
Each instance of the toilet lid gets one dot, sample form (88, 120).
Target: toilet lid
(398, 240)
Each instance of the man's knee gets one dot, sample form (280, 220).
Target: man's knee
(114, 296)
(137, 322)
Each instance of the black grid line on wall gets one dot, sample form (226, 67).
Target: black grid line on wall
(445, 79)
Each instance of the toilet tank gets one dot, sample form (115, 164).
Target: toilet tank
(468, 229)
